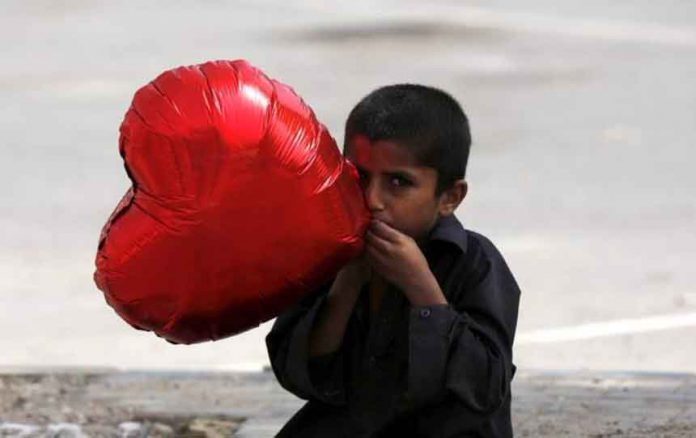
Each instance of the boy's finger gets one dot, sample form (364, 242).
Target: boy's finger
(385, 231)
(376, 242)
(375, 258)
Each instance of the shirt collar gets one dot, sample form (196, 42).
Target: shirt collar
(449, 229)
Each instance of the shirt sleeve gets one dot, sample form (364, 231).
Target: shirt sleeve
(319, 378)
(463, 350)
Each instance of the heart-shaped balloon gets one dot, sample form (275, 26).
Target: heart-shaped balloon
(240, 204)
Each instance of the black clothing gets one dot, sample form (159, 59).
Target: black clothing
(429, 371)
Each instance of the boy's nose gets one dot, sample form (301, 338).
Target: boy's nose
(373, 197)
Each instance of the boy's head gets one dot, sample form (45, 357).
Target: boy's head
(410, 144)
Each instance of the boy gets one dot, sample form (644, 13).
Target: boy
(414, 337)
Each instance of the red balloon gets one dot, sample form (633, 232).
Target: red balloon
(240, 204)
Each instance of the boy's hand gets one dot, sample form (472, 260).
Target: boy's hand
(397, 257)
(357, 272)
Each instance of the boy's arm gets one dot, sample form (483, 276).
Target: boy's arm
(304, 344)
(326, 335)
(463, 350)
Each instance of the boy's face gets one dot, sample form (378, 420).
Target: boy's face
(397, 189)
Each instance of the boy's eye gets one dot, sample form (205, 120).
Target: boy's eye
(400, 181)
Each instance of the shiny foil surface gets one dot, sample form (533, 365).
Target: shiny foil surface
(240, 204)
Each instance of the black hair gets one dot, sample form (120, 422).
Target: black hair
(426, 120)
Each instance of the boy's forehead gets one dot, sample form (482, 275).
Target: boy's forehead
(359, 148)
(362, 151)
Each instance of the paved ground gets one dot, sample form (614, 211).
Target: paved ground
(104, 403)
(581, 170)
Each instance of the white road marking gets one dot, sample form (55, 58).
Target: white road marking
(607, 328)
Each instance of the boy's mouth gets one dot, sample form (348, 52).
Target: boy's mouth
(383, 220)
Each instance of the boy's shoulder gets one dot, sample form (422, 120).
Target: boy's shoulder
(475, 256)
(486, 244)
(450, 230)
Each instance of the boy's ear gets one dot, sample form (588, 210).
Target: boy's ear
(452, 197)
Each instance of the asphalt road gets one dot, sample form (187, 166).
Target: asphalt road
(581, 170)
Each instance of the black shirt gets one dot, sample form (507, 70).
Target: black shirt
(430, 371)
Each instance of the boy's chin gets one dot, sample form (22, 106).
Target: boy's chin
(419, 238)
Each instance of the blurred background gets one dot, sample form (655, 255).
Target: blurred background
(581, 172)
